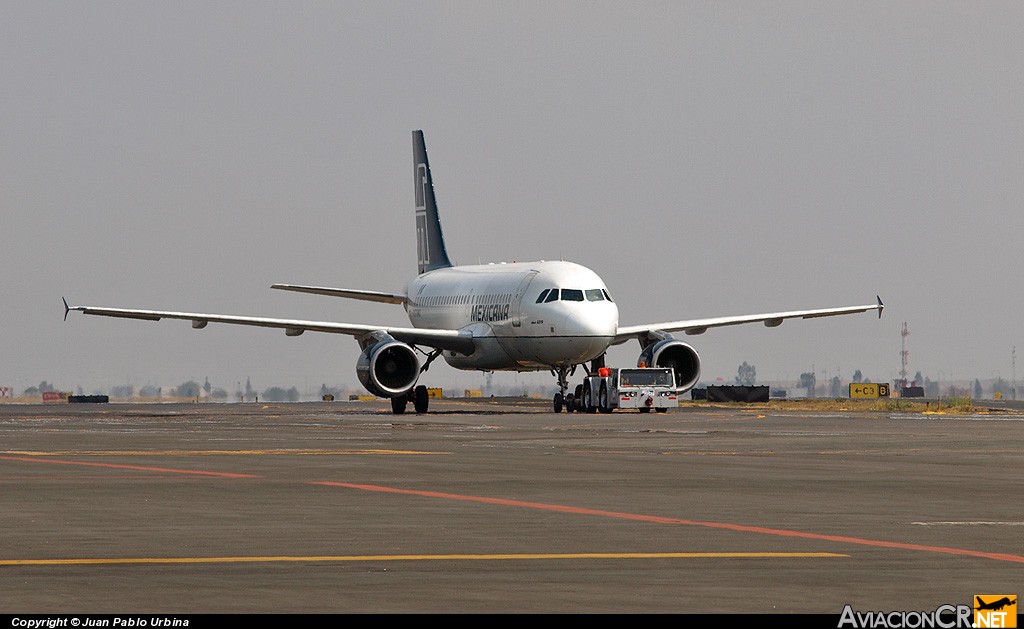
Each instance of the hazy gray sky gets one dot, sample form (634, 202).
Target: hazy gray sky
(706, 158)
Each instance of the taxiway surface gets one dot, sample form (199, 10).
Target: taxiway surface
(484, 507)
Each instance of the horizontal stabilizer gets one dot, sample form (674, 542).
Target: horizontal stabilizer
(365, 295)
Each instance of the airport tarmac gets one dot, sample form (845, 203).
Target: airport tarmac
(504, 507)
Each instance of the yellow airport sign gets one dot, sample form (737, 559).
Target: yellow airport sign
(869, 390)
(434, 393)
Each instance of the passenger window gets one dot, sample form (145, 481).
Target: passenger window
(572, 294)
(543, 294)
(552, 296)
(594, 294)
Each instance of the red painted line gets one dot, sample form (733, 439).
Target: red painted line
(663, 520)
(80, 477)
(128, 467)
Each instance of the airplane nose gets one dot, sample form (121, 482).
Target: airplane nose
(581, 333)
(597, 320)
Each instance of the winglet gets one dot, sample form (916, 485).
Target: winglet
(880, 306)
(66, 308)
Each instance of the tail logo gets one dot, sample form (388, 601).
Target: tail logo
(430, 251)
(422, 241)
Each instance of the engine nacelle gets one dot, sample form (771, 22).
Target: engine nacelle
(388, 368)
(682, 358)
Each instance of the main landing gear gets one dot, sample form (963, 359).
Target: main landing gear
(419, 396)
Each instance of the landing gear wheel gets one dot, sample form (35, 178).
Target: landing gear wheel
(558, 402)
(570, 403)
(398, 404)
(602, 400)
(420, 399)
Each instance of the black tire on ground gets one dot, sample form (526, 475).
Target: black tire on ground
(570, 403)
(588, 400)
(398, 404)
(558, 402)
(602, 400)
(421, 399)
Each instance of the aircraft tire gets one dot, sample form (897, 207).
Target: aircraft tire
(558, 402)
(398, 404)
(421, 399)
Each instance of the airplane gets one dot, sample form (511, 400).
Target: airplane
(994, 605)
(522, 316)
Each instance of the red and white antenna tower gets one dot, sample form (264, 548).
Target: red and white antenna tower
(903, 355)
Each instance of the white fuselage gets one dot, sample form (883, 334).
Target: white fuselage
(512, 312)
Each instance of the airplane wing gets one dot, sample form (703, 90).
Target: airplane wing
(771, 320)
(366, 295)
(453, 340)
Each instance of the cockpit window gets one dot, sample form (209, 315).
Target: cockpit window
(549, 295)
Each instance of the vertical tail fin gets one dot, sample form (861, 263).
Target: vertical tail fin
(430, 250)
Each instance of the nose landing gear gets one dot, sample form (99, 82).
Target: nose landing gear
(568, 400)
(577, 401)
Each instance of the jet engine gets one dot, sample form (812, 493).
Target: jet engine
(670, 352)
(388, 368)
